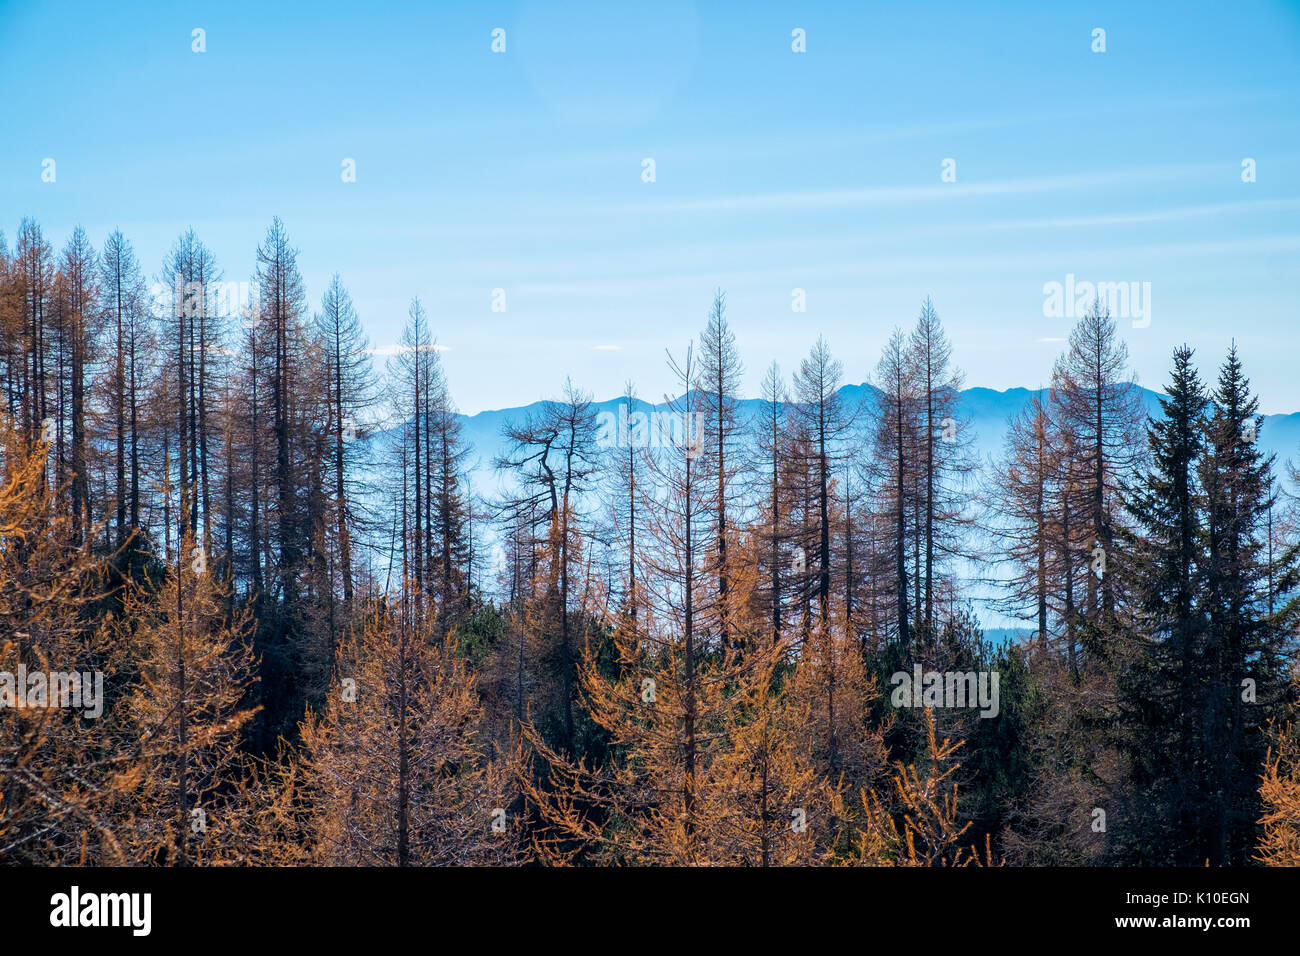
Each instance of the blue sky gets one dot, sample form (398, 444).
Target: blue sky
(774, 170)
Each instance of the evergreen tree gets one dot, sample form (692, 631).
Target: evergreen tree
(1166, 677)
(1246, 647)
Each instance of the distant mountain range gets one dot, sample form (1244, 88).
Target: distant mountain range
(986, 410)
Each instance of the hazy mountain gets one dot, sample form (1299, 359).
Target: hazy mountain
(984, 409)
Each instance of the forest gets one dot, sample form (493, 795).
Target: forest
(297, 633)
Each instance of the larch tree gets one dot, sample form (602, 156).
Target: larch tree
(720, 371)
(450, 507)
(33, 269)
(626, 471)
(770, 440)
(282, 305)
(824, 420)
(895, 460)
(771, 801)
(833, 692)
(394, 770)
(553, 456)
(60, 759)
(945, 461)
(1023, 513)
(703, 766)
(409, 368)
(286, 421)
(126, 324)
(189, 714)
(1100, 406)
(1279, 791)
(352, 399)
(925, 826)
(192, 282)
(79, 291)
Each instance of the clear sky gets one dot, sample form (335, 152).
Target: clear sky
(774, 170)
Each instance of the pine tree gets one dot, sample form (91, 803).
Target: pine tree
(1167, 563)
(1246, 646)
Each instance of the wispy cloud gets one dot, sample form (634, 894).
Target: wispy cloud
(388, 351)
(755, 202)
(1120, 219)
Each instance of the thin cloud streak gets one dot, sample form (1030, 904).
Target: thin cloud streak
(939, 191)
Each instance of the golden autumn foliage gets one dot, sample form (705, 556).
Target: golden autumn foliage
(707, 764)
(695, 607)
(925, 828)
(1279, 790)
(57, 765)
(394, 771)
(186, 716)
(832, 691)
(150, 776)
(704, 766)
